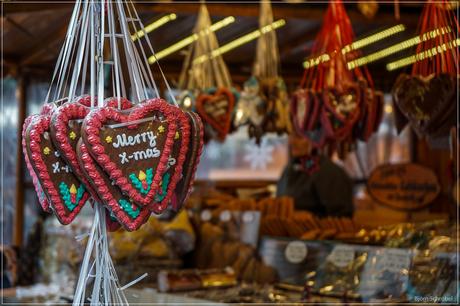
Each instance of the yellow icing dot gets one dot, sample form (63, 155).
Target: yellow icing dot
(176, 136)
(46, 150)
(161, 129)
(142, 175)
(72, 135)
(73, 189)
(108, 139)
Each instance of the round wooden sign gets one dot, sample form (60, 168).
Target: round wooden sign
(403, 186)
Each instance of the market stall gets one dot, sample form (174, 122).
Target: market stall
(215, 153)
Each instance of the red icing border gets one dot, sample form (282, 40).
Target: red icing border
(38, 189)
(184, 126)
(221, 126)
(348, 123)
(197, 160)
(59, 129)
(36, 128)
(90, 133)
(98, 183)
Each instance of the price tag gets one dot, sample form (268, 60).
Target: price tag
(341, 255)
(394, 260)
(296, 252)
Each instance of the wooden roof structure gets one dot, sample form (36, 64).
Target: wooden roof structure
(33, 32)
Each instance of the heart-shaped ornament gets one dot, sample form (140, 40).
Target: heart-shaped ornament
(65, 128)
(128, 214)
(42, 199)
(176, 158)
(216, 110)
(184, 186)
(133, 146)
(66, 193)
(428, 103)
(341, 111)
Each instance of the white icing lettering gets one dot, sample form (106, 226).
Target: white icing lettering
(140, 155)
(56, 168)
(123, 158)
(125, 141)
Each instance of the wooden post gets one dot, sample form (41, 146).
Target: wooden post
(19, 205)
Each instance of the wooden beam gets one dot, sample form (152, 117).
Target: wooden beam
(308, 11)
(13, 7)
(19, 203)
(288, 11)
(45, 45)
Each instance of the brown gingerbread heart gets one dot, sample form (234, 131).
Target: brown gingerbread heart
(134, 147)
(66, 193)
(128, 214)
(216, 110)
(192, 160)
(428, 103)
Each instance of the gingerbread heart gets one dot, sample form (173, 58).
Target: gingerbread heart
(176, 160)
(184, 186)
(128, 214)
(134, 155)
(299, 110)
(65, 129)
(341, 109)
(111, 222)
(66, 193)
(428, 103)
(365, 125)
(42, 199)
(216, 110)
(305, 108)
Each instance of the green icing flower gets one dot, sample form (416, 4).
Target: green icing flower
(137, 183)
(128, 208)
(65, 194)
(164, 188)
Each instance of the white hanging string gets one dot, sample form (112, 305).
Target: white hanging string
(117, 76)
(149, 44)
(65, 48)
(137, 83)
(80, 53)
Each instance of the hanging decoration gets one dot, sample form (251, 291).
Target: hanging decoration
(427, 99)
(205, 81)
(264, 103)
(335, 105)
(126, 157)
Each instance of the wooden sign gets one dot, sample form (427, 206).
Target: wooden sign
(403, 186)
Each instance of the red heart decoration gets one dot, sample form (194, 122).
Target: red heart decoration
(217, 110)
(65, 129)
(38, 188)
(136, 155)
(65, 192)
(176, 160)
(341, 110)
(369, 117)
(184, 186)
(428, 103)
(305, 108)
(111, 223)
(128, 214)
